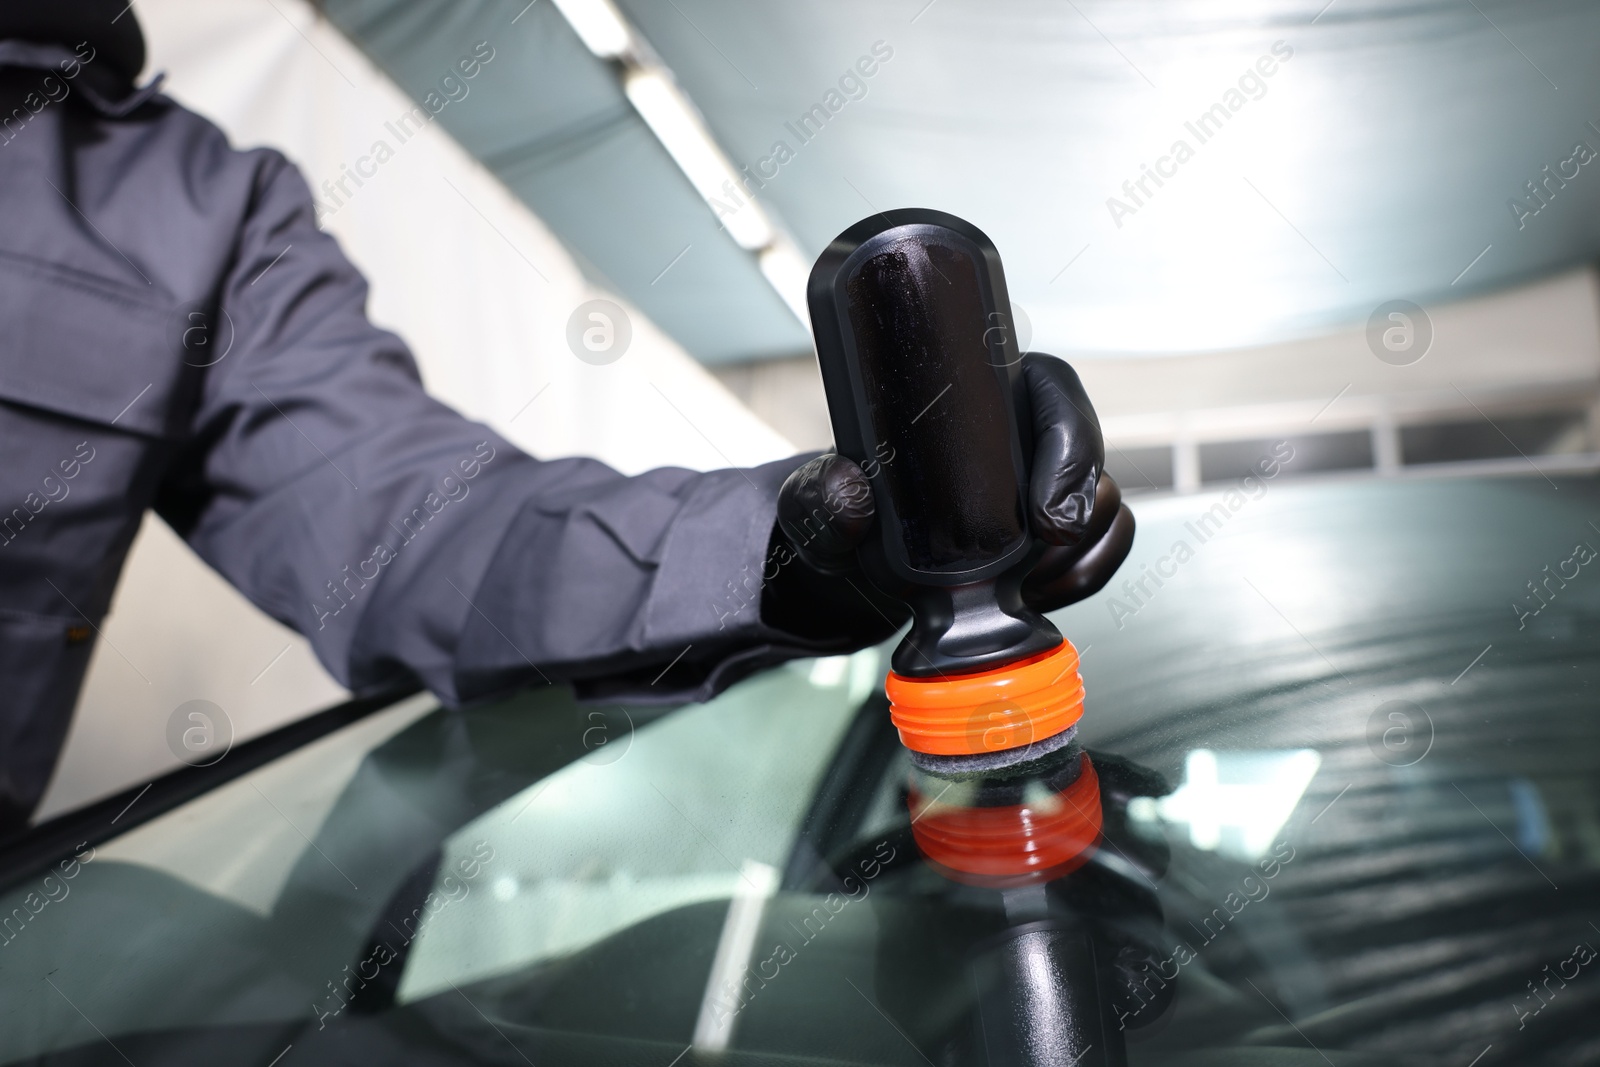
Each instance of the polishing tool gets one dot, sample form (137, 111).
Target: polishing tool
(925, 391)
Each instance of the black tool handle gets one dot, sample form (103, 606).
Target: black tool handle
(925, 390)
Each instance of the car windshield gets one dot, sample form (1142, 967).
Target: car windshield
(1336, 803)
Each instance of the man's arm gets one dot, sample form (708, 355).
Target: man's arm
(401, 538)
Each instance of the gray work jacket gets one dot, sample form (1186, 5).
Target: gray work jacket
(306, 465)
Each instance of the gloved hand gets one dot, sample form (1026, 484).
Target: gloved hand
(1074, 507)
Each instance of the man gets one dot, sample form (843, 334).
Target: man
(313, 472)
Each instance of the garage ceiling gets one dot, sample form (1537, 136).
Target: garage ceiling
(1381, 159)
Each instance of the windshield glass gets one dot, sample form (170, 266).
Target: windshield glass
(1336, 803)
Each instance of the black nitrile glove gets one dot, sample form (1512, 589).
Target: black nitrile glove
(825, 509)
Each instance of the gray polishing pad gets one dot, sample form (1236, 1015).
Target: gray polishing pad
(1007, 763)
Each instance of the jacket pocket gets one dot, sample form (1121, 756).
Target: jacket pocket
(98, 350)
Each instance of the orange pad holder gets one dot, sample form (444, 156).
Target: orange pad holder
(990, 711)
(1015, 844)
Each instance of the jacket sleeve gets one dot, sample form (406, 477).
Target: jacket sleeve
(406, 541)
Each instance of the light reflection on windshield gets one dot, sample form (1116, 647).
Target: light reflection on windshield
(600, 845)
(1234, 802)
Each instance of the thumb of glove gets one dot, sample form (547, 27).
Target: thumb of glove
(1069, 452)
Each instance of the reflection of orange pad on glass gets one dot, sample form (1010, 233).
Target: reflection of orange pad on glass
(1012, 844)
(990, 711)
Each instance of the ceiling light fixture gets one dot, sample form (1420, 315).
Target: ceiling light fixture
(678, 125)
(787, 271)
(599, 25)
(679, 128)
